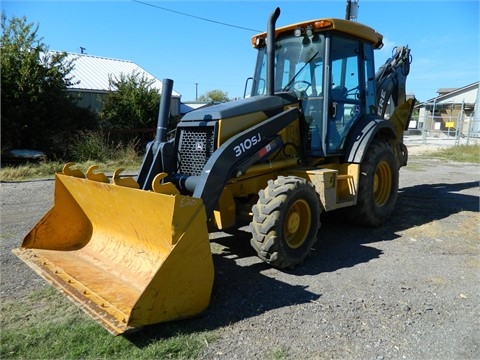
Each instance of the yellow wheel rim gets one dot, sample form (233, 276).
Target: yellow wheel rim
(382, 183)
(297, 224)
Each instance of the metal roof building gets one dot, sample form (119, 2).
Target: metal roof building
(459, 106)
(93, 72)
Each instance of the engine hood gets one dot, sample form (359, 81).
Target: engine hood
(270, 104)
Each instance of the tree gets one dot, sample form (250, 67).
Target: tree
(35, 106)
(214, 96)
(131, 104)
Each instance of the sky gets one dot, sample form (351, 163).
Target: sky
(206, 45)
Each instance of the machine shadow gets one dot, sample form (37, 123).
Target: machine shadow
(343, 245)
(241, 290)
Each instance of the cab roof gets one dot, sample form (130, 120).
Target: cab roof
(329, 24)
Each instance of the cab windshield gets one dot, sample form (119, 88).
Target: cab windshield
(298, 66)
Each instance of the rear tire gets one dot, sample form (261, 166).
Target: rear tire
(378, 187)
(285, 221)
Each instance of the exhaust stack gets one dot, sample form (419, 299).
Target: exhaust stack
(271, 51)
(163, 111)
(157, 151)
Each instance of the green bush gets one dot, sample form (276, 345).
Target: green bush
(90, 145)
(96, 146)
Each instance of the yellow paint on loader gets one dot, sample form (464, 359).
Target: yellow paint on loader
(127, 257)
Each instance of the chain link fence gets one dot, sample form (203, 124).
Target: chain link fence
(450, 130)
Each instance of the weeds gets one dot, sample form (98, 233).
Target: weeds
(87, 148)
(96, 146)
(90, 145)
(30, 171)
(461, 153)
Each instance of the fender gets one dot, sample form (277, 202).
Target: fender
(362, 134)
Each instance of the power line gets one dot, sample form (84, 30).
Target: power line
(195, 17)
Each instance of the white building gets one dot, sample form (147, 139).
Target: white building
(93, 72)
(449, 108)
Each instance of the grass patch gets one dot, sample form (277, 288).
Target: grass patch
(46, 325)
(87, 148)
(46, 170)
(28, 171)
(461, 153)
(279, 354)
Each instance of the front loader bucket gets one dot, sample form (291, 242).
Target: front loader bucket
(127, 257)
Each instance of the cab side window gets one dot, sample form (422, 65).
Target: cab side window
(345, 90)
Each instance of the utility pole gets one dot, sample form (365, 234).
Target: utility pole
(196, 91)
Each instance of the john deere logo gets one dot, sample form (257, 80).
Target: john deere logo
(199, 146)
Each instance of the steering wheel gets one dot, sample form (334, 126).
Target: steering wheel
(353, 91)
(301, 85)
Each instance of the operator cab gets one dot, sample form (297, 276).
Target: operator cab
(332, 74)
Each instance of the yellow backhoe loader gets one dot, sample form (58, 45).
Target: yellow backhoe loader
(311, 135)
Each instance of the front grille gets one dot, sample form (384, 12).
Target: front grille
(195, 146)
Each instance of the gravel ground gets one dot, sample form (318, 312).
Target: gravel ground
(406, 290)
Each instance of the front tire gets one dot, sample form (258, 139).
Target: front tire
(285, 221)
(378, 187)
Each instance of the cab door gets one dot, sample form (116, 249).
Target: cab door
(351, 89)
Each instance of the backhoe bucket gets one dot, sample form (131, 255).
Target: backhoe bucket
(127, 257)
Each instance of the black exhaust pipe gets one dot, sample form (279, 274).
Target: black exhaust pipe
(154, 159)
(163, 112)
(271, 51)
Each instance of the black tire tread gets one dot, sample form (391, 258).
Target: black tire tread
(366, 212)
(267, 217)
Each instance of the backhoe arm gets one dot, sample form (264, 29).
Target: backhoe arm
(391, 79)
